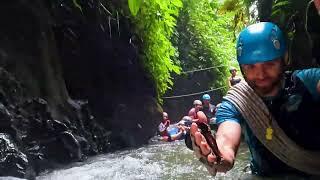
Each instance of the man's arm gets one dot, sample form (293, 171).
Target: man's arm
(228, 138)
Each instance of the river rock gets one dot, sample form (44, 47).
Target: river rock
(12, 161)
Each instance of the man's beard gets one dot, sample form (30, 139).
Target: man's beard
(263, 91)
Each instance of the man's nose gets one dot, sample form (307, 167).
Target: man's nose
(260, 72)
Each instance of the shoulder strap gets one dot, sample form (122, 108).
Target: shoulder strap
(243, 97)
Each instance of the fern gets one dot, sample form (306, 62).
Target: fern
(155, 24)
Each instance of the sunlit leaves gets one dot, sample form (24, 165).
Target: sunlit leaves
(240, 11)
(230, 5)
(155, 24)
(206, 38)
(134, 6)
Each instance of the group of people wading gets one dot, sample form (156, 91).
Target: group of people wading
(276, 111)
(201, 112)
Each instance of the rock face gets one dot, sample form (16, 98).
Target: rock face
(13, 162)
(71, 85)
(32, 140)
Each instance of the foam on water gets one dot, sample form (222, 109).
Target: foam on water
(156, 161)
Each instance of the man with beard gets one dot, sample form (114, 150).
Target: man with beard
(276, 111)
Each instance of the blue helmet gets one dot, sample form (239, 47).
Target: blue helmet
(260, 42)
(206, 97)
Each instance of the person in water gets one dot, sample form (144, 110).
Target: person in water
(277, 112)
(185, 121)
(196, 114)
(208, 108)
(177, 132)
(233, 79)
(171, 132)
(164, 124)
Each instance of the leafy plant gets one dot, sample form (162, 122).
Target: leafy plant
(206, 38)
(134, 6)
(155, 24)
(240, 12)
(278, 9)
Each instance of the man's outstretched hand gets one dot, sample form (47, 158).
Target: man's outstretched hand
(205, 154)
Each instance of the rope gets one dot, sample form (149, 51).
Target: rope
(193, 94)
(258, 119)
(197, 93)
(204, 69)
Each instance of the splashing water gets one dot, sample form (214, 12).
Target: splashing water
(156, 161)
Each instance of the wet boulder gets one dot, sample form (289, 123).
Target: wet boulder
(5, 120)
(61, 144)
(12, 161)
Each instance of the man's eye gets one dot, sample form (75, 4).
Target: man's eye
(269, 64)
(248, 67)
(251, 66)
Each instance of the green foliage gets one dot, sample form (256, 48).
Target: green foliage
(282, 10)
(206, 38)
(134, 6)
(240, 12)
(155, 24)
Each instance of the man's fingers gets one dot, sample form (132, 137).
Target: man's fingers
(212, 158)
(204, 153)
(198, 138)
(202, 143)
(201, 148)
(205, 149)
(193, 129)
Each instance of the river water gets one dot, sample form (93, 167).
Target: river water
(154, 161)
